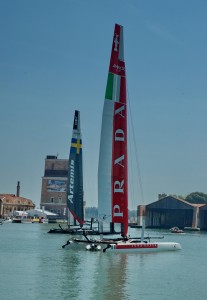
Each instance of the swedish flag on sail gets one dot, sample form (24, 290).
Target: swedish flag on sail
(76, 146)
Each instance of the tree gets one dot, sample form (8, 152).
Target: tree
(197, 198)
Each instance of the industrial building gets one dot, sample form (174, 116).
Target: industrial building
(170, 211)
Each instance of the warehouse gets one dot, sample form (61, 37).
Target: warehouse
(171, 211)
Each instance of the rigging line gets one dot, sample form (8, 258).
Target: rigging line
(135, 147)
(131, 185)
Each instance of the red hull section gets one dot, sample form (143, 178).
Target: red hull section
(135, 246)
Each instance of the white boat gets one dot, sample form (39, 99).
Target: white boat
(176, 230)
(113, 166)
(26, 220)
(5, 221)
(43, 220)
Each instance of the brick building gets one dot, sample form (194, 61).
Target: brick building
(54, 185)
(10, 203)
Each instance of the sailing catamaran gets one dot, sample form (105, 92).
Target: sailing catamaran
(75, 183)
(113, 165)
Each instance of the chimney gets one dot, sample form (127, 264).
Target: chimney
(18, 188)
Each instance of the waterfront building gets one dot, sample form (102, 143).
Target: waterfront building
(9, 203)
(203, 217)
(54, 186)
(170, 211)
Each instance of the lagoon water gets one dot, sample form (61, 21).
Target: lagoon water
(33, 265)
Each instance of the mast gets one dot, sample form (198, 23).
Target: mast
(113, 165)
(75, 173)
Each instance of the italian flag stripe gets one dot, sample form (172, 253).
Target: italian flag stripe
(113, 87)
(109, 86)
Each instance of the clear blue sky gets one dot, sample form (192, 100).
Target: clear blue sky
(54, 58)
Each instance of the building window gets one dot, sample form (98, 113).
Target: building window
(52, 200)
(59, 199)
(58, 211)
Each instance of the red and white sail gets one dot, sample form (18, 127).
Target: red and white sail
(113, 168)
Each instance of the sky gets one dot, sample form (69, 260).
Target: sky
(54, 59)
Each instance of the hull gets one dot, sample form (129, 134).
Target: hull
(4, 221)
(43, 221)
(17, 220)
(121, 247)
(27, 222)
(142, 247)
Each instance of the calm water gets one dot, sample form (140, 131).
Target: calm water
(34, 266)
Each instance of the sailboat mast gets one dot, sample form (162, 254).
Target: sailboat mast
(75, 173)
(113, 193)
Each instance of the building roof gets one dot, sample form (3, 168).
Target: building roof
(40, 212)
(171, 202)
(13, 199)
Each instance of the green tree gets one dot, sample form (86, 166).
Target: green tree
(197, 198)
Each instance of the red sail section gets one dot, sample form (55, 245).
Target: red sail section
(117, 66)
(119, 168)
(119, 139)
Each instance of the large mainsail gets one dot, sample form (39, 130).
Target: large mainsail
(113, 170)
(75, 173)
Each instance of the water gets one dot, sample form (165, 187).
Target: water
(33, 265)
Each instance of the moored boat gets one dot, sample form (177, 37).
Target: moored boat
(22, 219)
(26, 220)
(43, 220)
(176, 230)
(17, 219)
(5, 221)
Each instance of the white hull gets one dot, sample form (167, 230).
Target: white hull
(4, 221)
(26, 222)
(124, 247)
(127, 247)
(43, 221)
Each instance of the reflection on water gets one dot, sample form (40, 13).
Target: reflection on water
(35, 265)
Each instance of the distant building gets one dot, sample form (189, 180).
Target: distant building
(54, 185)
(203, 217)
(170, 211)
(10, 203)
